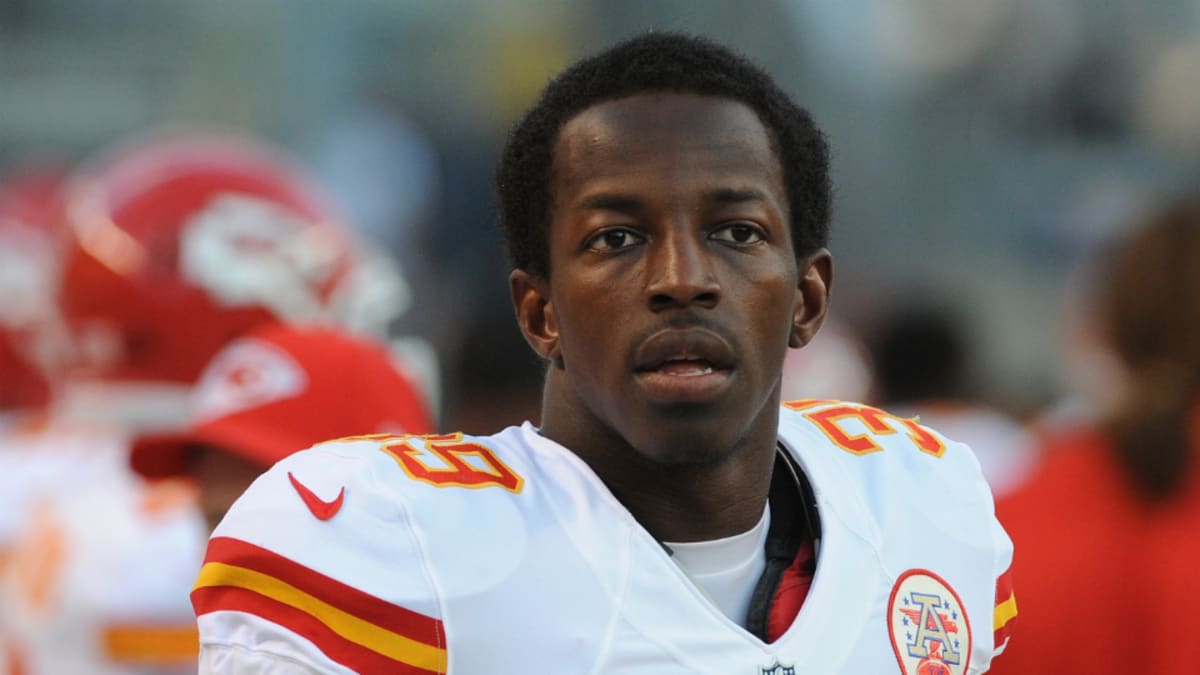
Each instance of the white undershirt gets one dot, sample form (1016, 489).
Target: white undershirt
(727, 569)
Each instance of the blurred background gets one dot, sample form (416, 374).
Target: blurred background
(988, 155)
(981, 148)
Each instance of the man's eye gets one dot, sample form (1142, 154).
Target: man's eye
(739, 233)
(613, 240)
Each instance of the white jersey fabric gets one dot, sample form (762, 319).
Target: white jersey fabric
(98, 564)
(1007, 451)
(506, 554)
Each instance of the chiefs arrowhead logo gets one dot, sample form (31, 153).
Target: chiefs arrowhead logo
(320, 508)
(249, 373)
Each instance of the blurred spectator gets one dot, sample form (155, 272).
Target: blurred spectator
(1106, 530)
(922, 368)
(175, 244)
(278, 390)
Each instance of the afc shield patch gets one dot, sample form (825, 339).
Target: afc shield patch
(928, 625)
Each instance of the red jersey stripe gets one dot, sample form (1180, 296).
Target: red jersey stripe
(350, 627)
(1004, 617)
(351, 600)
(350, 654)
(1004, 587)
(1002, 635)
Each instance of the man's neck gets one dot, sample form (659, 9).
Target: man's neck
(700, 491)
(692, 503)
(674, 501)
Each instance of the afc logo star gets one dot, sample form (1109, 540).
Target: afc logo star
(778, 669)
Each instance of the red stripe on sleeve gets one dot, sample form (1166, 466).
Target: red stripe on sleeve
(1004, 587)
(395, 618)
(352, 655)
(1001, 635)
(1004, 593)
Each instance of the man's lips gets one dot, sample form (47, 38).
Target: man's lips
(684, 353)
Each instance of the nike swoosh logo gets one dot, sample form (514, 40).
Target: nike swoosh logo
(320, 508)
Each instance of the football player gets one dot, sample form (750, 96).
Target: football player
(666, 207)
(276, 390)
(175, 244)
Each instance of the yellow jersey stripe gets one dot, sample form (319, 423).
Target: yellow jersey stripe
(1004, 612)
(373, 637)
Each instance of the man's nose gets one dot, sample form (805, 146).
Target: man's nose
(681, 272)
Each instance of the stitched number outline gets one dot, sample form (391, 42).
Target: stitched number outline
(830, 420)
(458, 463)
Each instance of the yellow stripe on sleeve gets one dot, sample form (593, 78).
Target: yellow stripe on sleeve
(151, 643)
(362, 632)
(1004, 612)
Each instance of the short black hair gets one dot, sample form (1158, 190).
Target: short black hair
(657, 62)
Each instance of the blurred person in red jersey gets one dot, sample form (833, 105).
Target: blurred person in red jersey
(272, 392)
(1106, 529)
(173, 245)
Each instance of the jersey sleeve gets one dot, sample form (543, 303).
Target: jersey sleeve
(1004, 606)
(1004, 617)
(924, 500)
(316, 568)
(234, 659)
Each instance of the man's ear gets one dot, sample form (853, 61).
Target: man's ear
(812, 297)
(535, 314)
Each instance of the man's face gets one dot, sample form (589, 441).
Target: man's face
(674, 289)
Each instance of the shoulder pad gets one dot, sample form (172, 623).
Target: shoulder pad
(317, 563)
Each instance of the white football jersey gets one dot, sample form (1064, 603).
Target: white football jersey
(41, 460)
(99, 564)
(506, 555)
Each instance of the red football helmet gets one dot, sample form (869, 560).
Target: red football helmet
(179, 242)
(29, 258)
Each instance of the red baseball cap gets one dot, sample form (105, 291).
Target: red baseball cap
(281, 389)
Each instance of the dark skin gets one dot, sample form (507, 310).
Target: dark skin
(222, 477)
(673, 296)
